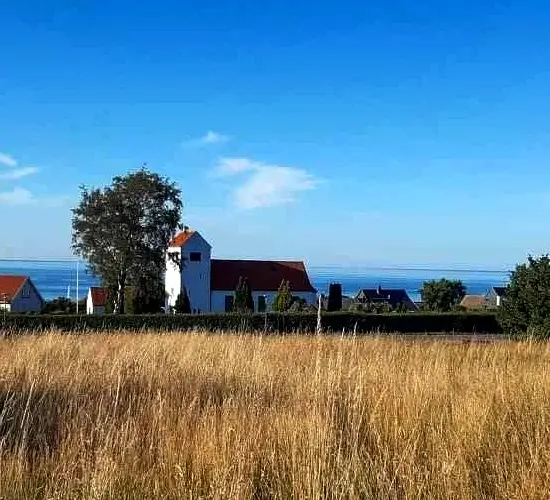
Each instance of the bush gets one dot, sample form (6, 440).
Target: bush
(62, 305)
(276, 323)
(525, 309)
(283, 300)
(183, 305)
(442, 295)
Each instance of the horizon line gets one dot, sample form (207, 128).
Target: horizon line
(407, 268)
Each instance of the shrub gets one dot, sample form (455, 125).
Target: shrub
(276, 322)
(247, 292)
(183, 305)
(60, 305)
(525, 309)
(283, 299)
(243, 297)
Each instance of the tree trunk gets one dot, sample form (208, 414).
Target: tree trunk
(119, 301)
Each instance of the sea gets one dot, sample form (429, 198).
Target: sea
(55, 278)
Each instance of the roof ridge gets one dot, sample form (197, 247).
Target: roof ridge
(263, 260)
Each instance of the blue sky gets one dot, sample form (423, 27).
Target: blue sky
(343, 133)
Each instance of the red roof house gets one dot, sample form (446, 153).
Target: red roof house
(96, 300)
(18, 294)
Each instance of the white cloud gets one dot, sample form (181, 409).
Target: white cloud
(18, 173)
(231, 166)
(18, 196)
(22, 196)
(7, 160)
(211, 137)
(265, 185)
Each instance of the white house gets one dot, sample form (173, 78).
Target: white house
(211, 283)
(495, 295)
(96, 300)
(18, 294)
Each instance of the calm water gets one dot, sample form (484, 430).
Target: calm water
(55, 279)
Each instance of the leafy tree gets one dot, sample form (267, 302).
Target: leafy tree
(525, 308)
(334, 297)
(183, 304)
(442, 295)
(122, 230)
(283, 299)
(130, 293)
(148, 295)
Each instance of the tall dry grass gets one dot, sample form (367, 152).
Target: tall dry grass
(198, 416)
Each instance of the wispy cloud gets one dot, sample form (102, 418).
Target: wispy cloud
(232, 166)
(7, 160)
(17, 196)
(22, 196)
(18, 173)
(211, 137)
(265, 185)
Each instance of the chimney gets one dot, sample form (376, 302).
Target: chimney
(185, 229)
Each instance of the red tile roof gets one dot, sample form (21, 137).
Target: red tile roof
(181, 239)
(263, 275)
(99, 295)
(10, 285)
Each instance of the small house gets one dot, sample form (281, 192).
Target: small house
(18, 294)
(495, 295)
(474, 302)
(394, 298)
(96, 300)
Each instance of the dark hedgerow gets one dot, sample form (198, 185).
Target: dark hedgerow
(336, 322)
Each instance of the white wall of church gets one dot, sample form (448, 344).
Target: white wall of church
(218, 298)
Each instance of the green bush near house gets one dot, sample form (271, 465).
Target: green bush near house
(280, 323)
(525, 309)
(283, 300)
(183, 305)
(442, 295)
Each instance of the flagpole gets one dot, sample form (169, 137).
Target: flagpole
(77, 287)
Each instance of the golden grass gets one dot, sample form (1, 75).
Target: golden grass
(198, 416)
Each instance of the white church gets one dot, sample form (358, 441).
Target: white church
(211, 283)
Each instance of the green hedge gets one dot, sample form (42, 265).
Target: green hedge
(276, 323)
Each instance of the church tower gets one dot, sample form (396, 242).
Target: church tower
(188, 264)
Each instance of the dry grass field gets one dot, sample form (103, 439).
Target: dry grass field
(199, 416)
